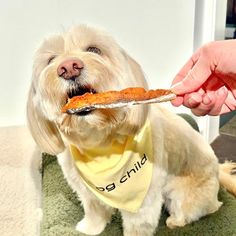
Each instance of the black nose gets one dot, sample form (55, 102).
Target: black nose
(70, 68)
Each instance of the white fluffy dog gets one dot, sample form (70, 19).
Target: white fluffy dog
(184, 168)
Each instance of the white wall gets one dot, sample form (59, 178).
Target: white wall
(157, 33)
(210, 19)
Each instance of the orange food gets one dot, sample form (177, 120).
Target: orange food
(113, 99)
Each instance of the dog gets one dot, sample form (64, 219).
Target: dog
(182, 171)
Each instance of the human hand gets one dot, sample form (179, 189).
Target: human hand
(207, 82)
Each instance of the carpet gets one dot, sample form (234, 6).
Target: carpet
(20, 183)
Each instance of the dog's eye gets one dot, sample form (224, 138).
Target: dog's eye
(51, 59)
(94, 50)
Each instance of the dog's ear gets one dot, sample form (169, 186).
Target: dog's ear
(137, 114)
(44, 132)
(137, 72)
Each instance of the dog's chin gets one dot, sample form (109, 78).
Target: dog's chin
(102, 121)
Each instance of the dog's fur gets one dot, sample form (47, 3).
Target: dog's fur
(185, 175)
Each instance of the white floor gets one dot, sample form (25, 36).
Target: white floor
(20, 183)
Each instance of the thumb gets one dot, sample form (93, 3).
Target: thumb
(195, 78)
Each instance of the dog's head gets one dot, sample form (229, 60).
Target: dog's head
(84, 59)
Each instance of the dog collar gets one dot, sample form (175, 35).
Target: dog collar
(119, 175)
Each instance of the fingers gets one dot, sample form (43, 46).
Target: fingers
(224, 109)
(177, 101)
(189, 100)
(230, 101)
(231, 84)
(213, 103)
(204, 108)
(192, 100)
(210, 102)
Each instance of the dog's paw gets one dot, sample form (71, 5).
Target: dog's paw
(172, 222)
(90, 227)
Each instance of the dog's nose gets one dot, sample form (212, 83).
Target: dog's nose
(70, 69)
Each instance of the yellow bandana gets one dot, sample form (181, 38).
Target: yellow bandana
(120, 174)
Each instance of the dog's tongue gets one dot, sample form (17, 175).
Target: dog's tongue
(116, 99)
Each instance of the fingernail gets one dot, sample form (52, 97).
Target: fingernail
(195, 98)
(192, 102)
(175, 104)
(177, 101)
(222, 91)
(206, 100)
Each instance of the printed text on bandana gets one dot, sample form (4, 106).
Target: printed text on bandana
(129, 174)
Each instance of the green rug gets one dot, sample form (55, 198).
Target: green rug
(62, 211)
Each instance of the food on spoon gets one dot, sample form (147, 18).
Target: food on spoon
(116, 99)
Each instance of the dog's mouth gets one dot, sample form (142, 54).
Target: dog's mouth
(78, 90)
